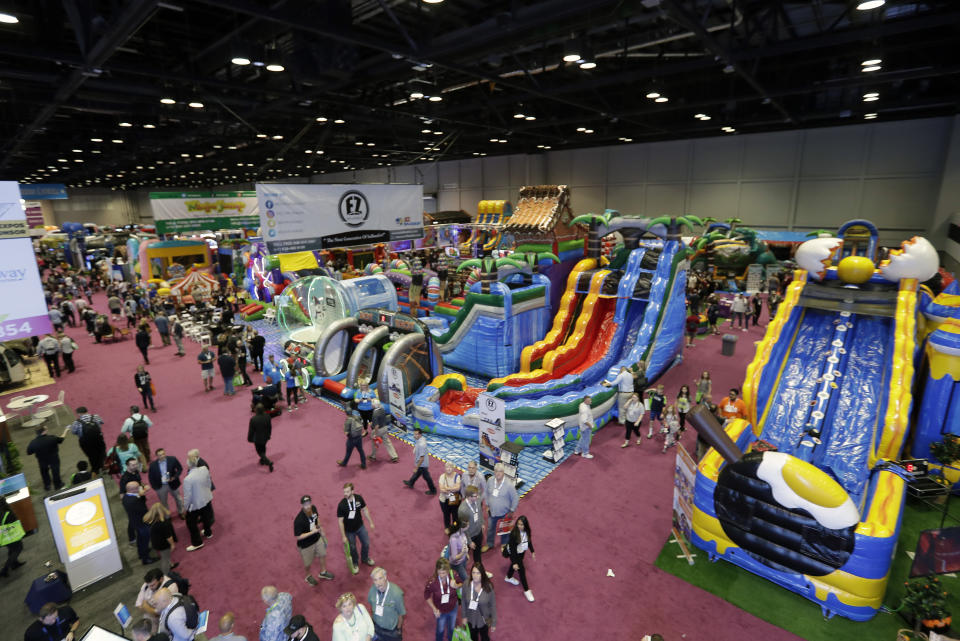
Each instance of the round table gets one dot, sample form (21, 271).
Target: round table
(24, 402)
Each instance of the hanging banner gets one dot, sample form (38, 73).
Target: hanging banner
(23, 312)
(179, 211)
(395, 396)
(34, 211)
(304, 217)
(493, 432)
(43, 191)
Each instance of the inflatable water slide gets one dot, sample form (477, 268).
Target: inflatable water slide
(805, 495)
(610, 317)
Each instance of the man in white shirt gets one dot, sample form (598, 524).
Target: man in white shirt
(153, 581)
(587, 423)
(624, 383)
(67, 348)
(173, 617)
(49, 348)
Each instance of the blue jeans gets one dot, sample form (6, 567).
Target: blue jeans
(352, 444)
(364, 544)
(583, 445)
(492, 530)
(446, 622)
(228, 384)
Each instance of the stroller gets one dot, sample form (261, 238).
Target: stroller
(268, 396)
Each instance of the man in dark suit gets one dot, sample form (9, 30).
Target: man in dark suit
(46, 447)
(135, 505)
(257, 343)
(164, 476)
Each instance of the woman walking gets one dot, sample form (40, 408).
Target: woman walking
(162, 537)
(458, 546)
(440, 594)
(449, 483)
(259, 432)
(633, 415)
(479, 605)
(519, 541)
(241, 356)
(145, 386)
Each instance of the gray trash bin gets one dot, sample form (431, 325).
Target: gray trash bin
(729, 345)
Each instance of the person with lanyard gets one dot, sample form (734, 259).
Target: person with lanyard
(144, 385)
(311, 540)
(353, 623)
(421, 456)
(386, 599)
(479, 607)
(468, 515)
(440, 594)
(501, 499)
(279, 612)
(53, 624)
(624, 383)
(67, 347)
(365, 401)
(519, 541)
(351, 525)
(205, 358)
(450, 496)
(49, 348)
(657, 402)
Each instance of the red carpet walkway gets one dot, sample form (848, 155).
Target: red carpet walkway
(610, 512)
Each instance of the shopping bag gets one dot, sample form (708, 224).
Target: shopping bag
(238, 380)
(461, 633)
(505, 524)
(10, 532)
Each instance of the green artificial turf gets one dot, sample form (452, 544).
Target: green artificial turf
(790, 611)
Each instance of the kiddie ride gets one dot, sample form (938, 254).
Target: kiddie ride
(804, 493)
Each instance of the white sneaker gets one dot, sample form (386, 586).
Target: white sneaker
(588, 456)
(191, 548)
(511, 580)
(529, 596)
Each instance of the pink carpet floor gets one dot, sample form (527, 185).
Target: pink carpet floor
(612, 512)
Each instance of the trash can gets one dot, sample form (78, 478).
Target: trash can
(729, 345)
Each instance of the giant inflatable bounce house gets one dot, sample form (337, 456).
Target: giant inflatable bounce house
(804, 492)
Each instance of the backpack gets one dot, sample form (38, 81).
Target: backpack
(89, 430)
(139, 427)
(190, 608)
(182, 583)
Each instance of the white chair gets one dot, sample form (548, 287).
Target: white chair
(205, 339)
(270, 315)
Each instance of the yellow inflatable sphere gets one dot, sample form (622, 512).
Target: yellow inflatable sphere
(855, 269)
(163, 291)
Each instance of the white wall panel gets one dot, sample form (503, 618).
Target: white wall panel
(404, 175)
(589, 167)
(772, 155)
(902, 203)
(449, 174)
(717, 158)
(827, 203)
(559, 168)
(719, 200)
(627, 164)
(664, 200)
(448, 201)
(518, 169)
(629, 200)
(766, 204)
(907, 147)
(668, 161)
(537, 170)
(471, 173)
(469, 199)
(586, 200)
(498, 193)
(496, 171)
(837, 151)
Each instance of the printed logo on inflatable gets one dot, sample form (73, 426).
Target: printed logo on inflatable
(354, 209)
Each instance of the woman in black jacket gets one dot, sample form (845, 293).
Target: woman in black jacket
(163, 539)
(145, 386)
(519, 541)
(259, 432)
(16, 547)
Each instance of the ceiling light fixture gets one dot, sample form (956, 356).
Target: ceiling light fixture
(321, 119)
(653, 94)
(872, 62)
(77, 151)
(149, 126)
(571, 50)
(168, 101)
(195, 105)
(661, 99)
(7, 18)
(96, 140)
(871, 68)
(117, 141)
(240, 60)
(870, 4)
(125, 124)
(277, 137)
(339, 121)
(437, 98)
(587, 61)
(871, 97)
(869, 116)
(276, 67)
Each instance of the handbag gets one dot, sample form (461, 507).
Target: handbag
(10, 532)
(238, 380)
(461, 633)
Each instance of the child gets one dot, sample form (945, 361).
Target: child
(633, 415)
(671, 428)
(82, 475)
(704, 388)
(657, 400)
(683, 405)
(713, 315)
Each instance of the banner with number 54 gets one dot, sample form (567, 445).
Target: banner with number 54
(23, 310)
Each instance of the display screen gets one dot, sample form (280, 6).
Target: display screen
(938, 552)
(24, 310)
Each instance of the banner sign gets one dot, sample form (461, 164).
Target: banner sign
(34, 213)
(684, 478)
(395, 396)
(306, 217)
(493, 432)
(24, 310)
(179, 211)
(83, 532)
(43, 191)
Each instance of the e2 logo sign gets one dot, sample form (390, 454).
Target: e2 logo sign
(353, 208)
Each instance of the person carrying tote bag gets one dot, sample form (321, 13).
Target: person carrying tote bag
(11, 536)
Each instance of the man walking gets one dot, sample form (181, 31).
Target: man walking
(198, 499)
(386, 607)
(90, 437)
(586, 424)
(137, 425)
(177, 332)
(67, 348)
(279, 611)
(164, 477)
(351, 525)
(257, 344)
(228, 369)
(163, 327)
(355, 432)
(205, 358)
(135, 505)
(421, 456)
(142, 339)
(624, 383)
(46, 447)
(311, 540)
(49, 348)
(469, 512)
(501, 499)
